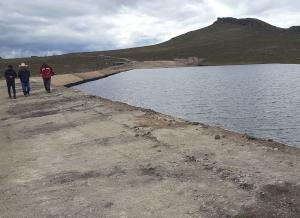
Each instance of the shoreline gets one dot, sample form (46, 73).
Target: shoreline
(269, 142)
(72, 154)
(129, 67)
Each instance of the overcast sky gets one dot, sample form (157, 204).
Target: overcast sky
(46, 27)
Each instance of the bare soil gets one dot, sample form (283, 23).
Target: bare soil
(68, 154)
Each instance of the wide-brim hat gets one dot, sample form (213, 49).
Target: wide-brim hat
(23, 65)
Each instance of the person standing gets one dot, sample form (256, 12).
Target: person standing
(24, 75)
(47, 72)
(10, 76)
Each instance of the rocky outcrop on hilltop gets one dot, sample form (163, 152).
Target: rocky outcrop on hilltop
(295, 28)
(251, 22)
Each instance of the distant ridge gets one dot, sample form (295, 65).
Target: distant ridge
(227, 41)
(295, 28)
(249, 22)
(252, 22)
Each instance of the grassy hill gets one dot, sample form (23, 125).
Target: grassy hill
(227, 41)
(69, 63)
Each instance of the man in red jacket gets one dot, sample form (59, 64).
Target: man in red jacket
(47, 72)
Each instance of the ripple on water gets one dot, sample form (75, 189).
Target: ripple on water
(262, 100)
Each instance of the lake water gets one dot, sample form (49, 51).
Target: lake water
(261, 100)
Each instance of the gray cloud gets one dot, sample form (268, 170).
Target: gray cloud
(46, 27)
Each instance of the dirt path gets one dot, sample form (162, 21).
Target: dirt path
(67, 154)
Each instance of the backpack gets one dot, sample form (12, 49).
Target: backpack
(46, 73)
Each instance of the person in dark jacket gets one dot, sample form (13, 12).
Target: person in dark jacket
(24, 75)
(47, 72)
(10, 76)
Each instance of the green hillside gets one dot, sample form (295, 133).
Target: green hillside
(227, 41)
(69, 63)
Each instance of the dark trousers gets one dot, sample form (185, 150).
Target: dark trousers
(47, 84)
(26, 87)
(11, 85)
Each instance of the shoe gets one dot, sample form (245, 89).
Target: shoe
(15, 97)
